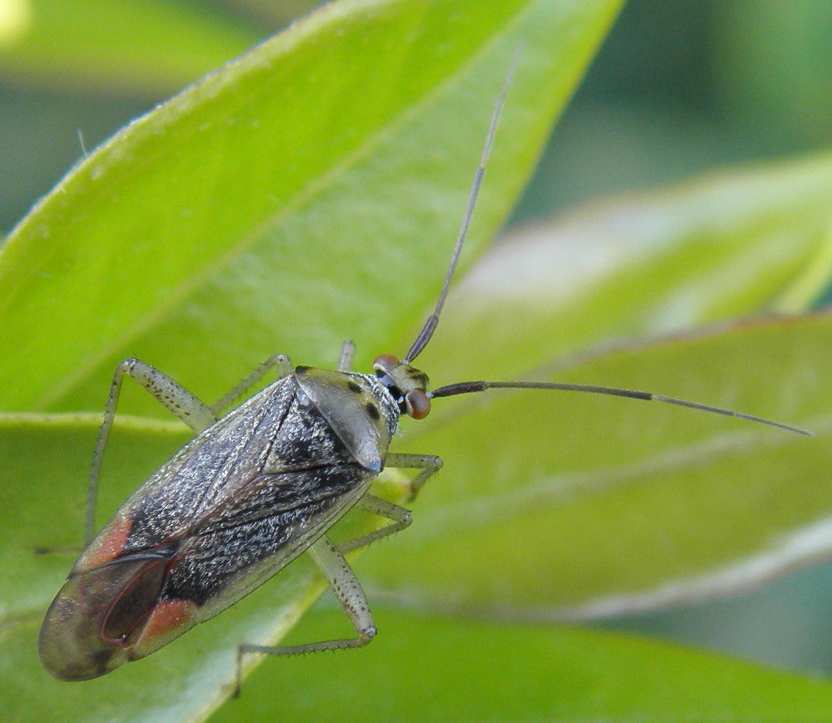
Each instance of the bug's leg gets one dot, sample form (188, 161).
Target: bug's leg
(347, 353)
(401, 518)
(429, 464)
(350, 594)
(167, 391)
(280, 362)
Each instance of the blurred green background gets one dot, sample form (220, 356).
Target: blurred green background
(679, 88)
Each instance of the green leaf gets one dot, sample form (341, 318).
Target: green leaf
(135, 46)
(621, 505)
(772, 66)
(421, 669)
(712, 249)
(308, 192)
(807, 290)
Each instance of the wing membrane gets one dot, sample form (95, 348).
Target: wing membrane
(82, 634)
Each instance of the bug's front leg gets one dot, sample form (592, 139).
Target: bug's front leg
(178, 400)
(350, 594)
(429, 464)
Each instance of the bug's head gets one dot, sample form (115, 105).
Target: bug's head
(406, 384)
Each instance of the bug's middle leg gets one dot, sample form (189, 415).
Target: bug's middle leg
(350, 594)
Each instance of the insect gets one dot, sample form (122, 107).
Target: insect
(253, 490)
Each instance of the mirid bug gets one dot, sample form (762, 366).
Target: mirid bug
(253, 490)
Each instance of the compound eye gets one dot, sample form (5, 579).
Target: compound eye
(418, 404)
(385, 362)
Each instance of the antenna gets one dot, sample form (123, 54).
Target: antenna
(430, 324)
(452, 390)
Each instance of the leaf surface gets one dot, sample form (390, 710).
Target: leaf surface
(718, 247)
(619, 503)
(307, 192)
(431, 668)
(143, 47)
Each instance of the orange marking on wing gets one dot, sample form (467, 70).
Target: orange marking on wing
(107, 546)
(169, 619)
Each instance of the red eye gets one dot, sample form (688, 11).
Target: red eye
(418, 404)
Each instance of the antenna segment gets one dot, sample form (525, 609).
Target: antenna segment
(452, 390)
(430, 324)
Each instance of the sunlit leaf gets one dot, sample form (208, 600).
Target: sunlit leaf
(131, 46)
(306, 193)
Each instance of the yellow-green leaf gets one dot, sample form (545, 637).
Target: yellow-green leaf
(141, 47)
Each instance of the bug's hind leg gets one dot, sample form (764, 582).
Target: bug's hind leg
(168, 392)
(281, 362)
(429, 464)
(350, 594)
(400, 517)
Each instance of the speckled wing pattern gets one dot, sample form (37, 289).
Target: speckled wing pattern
(245, 497)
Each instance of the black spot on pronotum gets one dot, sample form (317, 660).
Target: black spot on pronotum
(301, 370)
(354, 387)
(372, 410)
